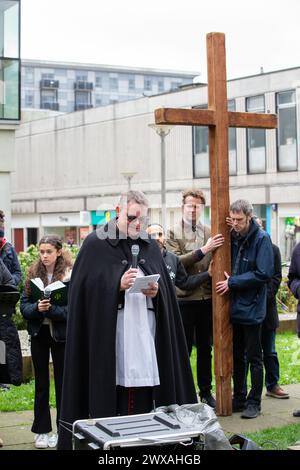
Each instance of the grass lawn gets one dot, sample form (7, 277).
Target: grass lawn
(288, 348)
(276, 438)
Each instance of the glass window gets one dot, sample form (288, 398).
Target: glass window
(9, 29)
(175, 85)
(147, 84)
(201, 156)
(82, 98)
(98, 100)
(9, 89)
(232, 143)
(201, 152)
(161, 85)
(29, 100)
(81, 77)
(48, 76)
(131, 84)
(256, 138)
(287, 131)
(113, 83)
(99, 82)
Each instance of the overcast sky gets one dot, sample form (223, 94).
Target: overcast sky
(168, 34)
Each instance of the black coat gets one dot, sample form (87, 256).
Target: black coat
(294, 280)
(57, 314)
(271, 322)
(178, 274)
(11, 372)
(89, 386)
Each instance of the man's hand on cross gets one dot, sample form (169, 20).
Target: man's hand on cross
(222, 286)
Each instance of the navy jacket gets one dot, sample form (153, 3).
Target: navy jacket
(294, 280)
(252, 263)
(10, 259)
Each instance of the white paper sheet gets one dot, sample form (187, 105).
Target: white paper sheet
(142, 283)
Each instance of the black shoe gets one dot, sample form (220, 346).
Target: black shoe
(238, 406)
(296, 413)
(4, 387)
(208, 400)
(251, 411)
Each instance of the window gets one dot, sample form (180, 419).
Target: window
(98, 82)
(232, 143)
(160, 85)
(9, 60)
(201, 157)
(256, 138)
(147, 84)
(131, 84)
(9, 89)
(29, 76)
(29, 100)
(287, 131)
(9, 29)
(98, 100)
(201, 152)
(82, 98)
(47, 76)
(113, 83)
(81, 77)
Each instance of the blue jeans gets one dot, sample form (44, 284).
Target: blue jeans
(270, 358)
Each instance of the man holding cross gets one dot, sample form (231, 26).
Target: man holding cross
(252, 268)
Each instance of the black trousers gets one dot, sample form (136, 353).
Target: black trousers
(41, 345)
(197, 322)
(134, 400)
(247, 349)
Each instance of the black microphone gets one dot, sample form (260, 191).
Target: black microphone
(47, 293)
(135, 249)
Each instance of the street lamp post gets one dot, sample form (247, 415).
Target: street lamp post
(162, 131)
(128, 175)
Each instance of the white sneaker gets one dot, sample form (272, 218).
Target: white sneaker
(41, 441)
(52, 440)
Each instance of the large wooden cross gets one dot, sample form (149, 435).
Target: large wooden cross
(218, 119)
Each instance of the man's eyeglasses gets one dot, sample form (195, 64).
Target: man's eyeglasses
(142, 219)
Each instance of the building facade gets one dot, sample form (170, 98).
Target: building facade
(71, 167)
(68, 87)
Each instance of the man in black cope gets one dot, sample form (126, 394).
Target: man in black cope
(125, 353)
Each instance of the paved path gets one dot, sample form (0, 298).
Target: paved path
(16, 434)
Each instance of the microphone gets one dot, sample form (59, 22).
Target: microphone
(135, 249)
(47, 293)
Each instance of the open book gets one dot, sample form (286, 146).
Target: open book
(59, 291)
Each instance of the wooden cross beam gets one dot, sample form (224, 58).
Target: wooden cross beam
(218, 119)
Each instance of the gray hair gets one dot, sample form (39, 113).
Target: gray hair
(241, 205)
(136, 196)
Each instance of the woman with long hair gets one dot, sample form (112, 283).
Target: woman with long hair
(46, 324)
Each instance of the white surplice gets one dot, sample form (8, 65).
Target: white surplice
(136, 362)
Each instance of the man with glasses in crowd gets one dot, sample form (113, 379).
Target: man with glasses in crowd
(125, 353)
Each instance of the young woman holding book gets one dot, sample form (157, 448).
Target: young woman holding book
(46, 323)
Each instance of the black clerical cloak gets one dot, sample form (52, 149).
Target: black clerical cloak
(89, 386)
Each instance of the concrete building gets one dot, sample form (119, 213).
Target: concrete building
(70, 166)
(67, 87)
(9, 100)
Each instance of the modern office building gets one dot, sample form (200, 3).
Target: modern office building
(67, 87)
(9, 99)
(72, 167)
